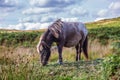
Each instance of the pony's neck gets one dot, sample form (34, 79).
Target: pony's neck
(49, 40)
(49, 43)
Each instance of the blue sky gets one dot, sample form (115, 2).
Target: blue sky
(38, 14)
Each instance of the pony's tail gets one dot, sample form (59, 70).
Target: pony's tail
(85, 47)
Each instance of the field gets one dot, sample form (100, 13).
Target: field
(19, 59)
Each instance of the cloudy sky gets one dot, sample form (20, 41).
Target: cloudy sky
(38, 14)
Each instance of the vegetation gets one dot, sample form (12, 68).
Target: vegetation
(28, 68)
(111, 67)
(103, 34)
(19, 59)
(19, 38)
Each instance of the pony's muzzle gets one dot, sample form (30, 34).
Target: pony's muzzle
(44, 63)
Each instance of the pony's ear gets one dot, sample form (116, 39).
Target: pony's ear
(58, 20)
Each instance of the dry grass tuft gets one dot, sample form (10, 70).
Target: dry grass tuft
(97, 50)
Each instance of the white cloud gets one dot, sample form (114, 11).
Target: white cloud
(38, 19)
(113, 10)
(73, 19)
(37, 25)
(114, 6)
(52, 3)
(35, 10)
(27, 19)
(27, 26)
(78, 11)
(40, 2)
(99, 18)
(19, 26)
(48, 19)
(38, 11)
(31, 26)
(10, 5)
(102, 12)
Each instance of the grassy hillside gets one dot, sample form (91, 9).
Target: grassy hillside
(114, 22)
(19, 59)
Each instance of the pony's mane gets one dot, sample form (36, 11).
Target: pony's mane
(57, 25)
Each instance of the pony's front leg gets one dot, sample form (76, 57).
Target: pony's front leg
(78, 52)
(60, 54)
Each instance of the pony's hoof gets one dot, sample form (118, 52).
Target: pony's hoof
(60, 63)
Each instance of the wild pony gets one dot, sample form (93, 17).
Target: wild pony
(65, 34)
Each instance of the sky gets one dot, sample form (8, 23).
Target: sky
(39, 14)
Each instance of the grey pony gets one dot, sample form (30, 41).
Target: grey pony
(65, 34)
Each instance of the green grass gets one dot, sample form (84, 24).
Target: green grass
(98, 69)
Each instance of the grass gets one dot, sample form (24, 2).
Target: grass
(22, 63)
(96, 50)
(27, 67)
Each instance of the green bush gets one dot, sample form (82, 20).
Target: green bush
(115, 47)
(18, 38)
(103, 34)
(111, 67)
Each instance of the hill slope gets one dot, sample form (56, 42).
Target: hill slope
(114, 22)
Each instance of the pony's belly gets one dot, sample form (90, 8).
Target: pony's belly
(70, 44)
(72, 41)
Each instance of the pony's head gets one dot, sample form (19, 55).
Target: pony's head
(43, 48)
(44, 51)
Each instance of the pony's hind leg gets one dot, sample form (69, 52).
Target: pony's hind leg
(77, 52)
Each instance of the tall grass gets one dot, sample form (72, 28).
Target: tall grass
(95, 50)
(23, 64)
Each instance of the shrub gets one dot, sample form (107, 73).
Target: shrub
(103, 34)
(111, 67)
(18, 38)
